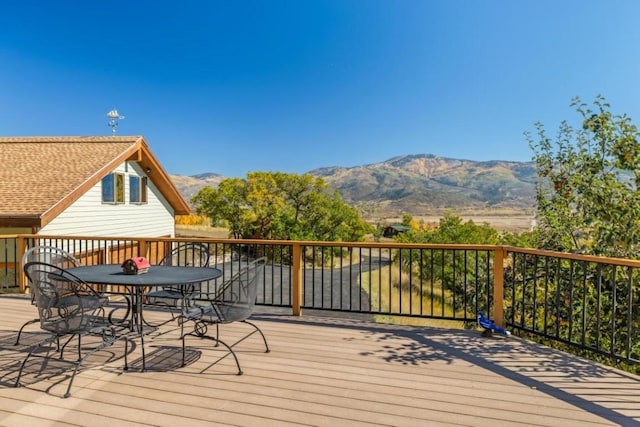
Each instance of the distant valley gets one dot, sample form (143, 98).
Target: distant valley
(422, 185)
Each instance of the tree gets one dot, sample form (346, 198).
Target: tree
(276, 205)
(452, 229)
(588, 199)
(227, 204)
(588, 180)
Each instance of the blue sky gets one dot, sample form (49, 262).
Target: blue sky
(238, 86)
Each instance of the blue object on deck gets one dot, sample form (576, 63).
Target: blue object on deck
(488, 325)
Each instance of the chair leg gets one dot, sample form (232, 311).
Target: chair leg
(144, 365)
(75, 371)
(106, 341)
(183, 349)
(65, 346)
(30, 322)
(217, 342)
(261, 334)
(255, 329)
(24, 362)
(126, 352)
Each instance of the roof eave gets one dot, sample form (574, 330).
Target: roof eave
(161, 179)
(19, 221)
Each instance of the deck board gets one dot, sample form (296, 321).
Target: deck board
(321, 371)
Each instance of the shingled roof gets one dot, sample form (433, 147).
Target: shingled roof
(42, 176)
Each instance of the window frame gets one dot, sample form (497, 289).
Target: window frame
(113, 189)
(139, 190)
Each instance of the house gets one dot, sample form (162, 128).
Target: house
(394, 229)
(89, 186)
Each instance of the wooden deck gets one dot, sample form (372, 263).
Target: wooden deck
(321, 371)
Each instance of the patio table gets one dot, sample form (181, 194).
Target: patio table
(136, 284)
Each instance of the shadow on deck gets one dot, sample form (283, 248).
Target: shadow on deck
(323, 371)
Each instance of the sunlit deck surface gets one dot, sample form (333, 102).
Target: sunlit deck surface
(323, 371)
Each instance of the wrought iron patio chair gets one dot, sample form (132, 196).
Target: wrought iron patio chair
(234, 301)
(51, 255)
(169, 297)
(63, 259)
(68, 308)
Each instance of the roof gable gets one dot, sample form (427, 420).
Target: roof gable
(42, 176)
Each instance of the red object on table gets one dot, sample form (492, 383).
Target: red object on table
(136, 265)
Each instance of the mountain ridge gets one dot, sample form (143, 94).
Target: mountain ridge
(418, 184)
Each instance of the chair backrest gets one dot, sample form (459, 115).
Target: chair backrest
(50, 255)
(236, 298)
(66, 304)
(188, 254)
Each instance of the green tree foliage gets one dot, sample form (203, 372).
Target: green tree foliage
(525, 239)
(588, 180)
(452, 229)
(276, 205)
(228, 201)
(407, 219)
(588, 201)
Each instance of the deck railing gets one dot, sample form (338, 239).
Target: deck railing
(9, 256)
(591, 303)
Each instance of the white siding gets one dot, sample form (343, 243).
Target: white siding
(88, 216)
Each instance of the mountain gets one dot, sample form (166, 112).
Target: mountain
(426, 183)
(420, 184)
(190, 185)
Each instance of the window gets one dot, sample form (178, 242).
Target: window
(113, 188)
(137, 189)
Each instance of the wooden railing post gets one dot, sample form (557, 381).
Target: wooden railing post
(296, 282)
(498, 286)
(143, 248)
(22, 279)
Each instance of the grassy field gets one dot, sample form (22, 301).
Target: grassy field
(201, 231)
(512, 223)
(501, 223)
(385, 296)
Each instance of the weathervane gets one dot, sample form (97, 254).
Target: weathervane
(113, 120)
